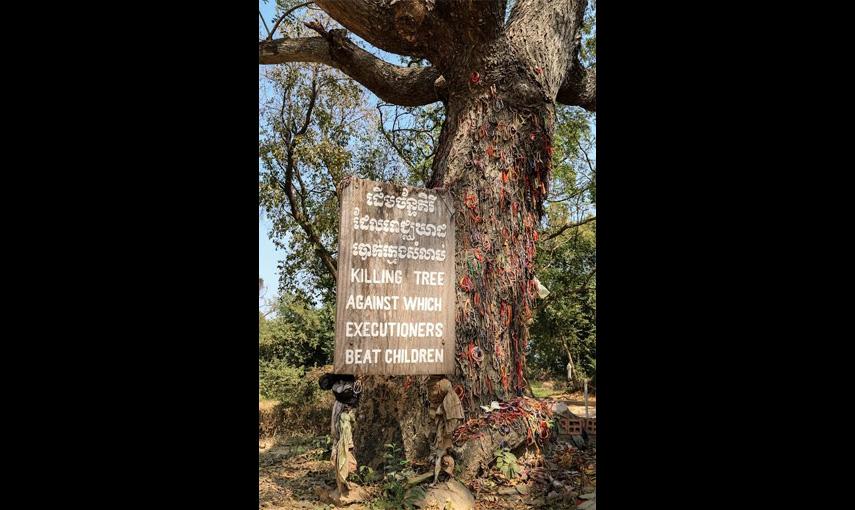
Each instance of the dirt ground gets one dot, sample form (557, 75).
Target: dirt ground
(576, 402)
(290, 471)
(289, 481)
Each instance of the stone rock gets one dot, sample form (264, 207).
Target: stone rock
(591, 504)
(513, 491)
(560, 408)
(590, 495)
(440, 495)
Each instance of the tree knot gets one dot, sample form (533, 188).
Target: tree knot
(409, 16)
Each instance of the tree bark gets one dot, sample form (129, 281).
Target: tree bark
(405, 86)
(495, 157)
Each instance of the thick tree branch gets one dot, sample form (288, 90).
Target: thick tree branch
(405, 86)
(375, 21)
(579, 88)
(547, 36)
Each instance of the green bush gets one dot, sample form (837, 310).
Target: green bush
(300, 333)
(279, 381)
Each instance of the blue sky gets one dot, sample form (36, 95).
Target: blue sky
(268, 255)
(267, 252)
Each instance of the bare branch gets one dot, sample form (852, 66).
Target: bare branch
(405, 86)
(568, 226)
(572, 196)
(303, 221)
(269, 33)
(389, 139)
(587, 159)
(312, 99)
(281, 18)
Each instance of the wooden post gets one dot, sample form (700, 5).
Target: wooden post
(586, 399)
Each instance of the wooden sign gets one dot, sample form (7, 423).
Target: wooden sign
(395, 302)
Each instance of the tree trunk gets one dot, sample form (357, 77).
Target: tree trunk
(495, 157)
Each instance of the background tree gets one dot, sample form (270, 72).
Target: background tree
(565, 321)
(498, 73)
(316, 128)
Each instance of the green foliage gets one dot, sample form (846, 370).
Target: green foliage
(337, 141)
(279, 381)
(588, 53)
(397, 497)
(367, 475)
(506, 462)
(311, 145)
(568, 321)
(396, 472)
(343, 135)
(566, 259)
(300, 334)
(540, 391)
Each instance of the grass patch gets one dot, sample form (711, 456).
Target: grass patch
(551, 388)
(544, 389)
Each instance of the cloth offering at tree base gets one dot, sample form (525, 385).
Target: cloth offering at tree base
(448, 416)
(345, 397)
(342, 455)
(346, 392)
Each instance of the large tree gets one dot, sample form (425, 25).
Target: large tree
(498, 76)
